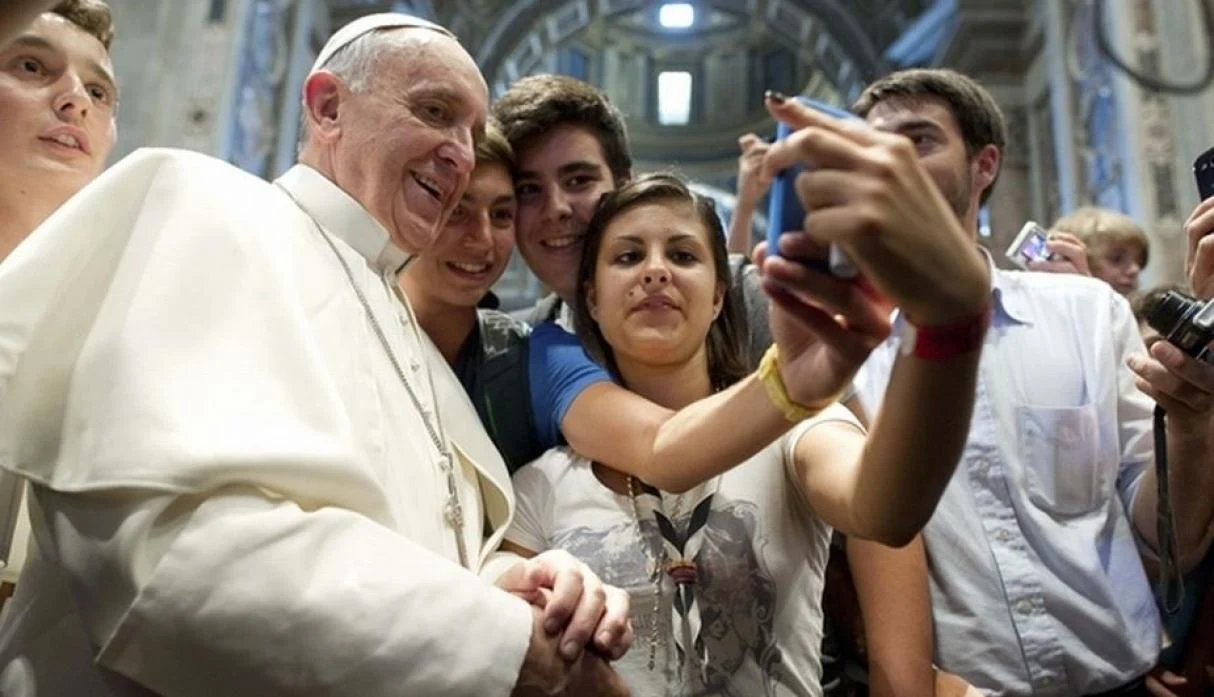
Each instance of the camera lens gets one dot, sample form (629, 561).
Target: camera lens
(1183, 321)
(1166, 312)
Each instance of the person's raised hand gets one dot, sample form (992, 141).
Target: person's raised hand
(823, 326)
(752, 180)
(1068, 254)
(866, 191)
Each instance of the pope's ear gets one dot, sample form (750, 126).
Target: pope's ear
(323, 96)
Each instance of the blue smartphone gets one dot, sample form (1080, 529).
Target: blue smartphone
(784, 211)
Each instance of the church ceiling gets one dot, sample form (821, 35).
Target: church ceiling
(827, 49)
(865, 26)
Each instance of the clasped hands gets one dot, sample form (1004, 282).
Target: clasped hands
(579, 625)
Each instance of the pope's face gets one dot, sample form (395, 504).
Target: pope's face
(57, 104)
(405, 144)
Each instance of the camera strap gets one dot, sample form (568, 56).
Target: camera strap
(1171, 584)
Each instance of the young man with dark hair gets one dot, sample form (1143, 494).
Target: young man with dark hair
(571, 146)
(978, 118)
(1037, 583)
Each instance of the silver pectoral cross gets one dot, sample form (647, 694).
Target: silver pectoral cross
(453, 512)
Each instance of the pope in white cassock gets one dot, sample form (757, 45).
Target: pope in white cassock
(252, 473)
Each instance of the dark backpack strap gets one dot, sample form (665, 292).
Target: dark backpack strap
(504, 387)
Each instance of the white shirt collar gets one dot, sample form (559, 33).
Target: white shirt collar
(1008, 293)
(343, 217)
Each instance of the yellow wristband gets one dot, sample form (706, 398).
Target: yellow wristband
(769, 375)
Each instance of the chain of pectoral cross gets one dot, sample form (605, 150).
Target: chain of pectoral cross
(453, 512)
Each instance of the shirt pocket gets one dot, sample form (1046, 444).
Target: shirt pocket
(1063, 458)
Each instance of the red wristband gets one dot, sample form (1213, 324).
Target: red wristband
(947, 341)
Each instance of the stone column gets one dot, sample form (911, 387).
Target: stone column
(173, 61)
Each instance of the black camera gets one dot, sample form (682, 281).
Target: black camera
(1186, 322)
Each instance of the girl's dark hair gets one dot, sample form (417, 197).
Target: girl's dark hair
(726, 352)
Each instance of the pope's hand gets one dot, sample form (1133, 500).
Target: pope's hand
(576, 605)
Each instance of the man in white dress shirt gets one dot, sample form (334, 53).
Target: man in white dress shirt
(252, 472)
(1034, 551)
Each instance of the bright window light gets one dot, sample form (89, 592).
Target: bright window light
(676, 15)
(674, 98)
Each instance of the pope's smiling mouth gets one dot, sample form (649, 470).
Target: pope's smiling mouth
(429, 185)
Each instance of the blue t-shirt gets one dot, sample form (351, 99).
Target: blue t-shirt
(559, 370)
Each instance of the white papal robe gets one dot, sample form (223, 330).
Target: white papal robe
(234, 493)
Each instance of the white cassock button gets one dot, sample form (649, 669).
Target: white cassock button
(1024, 607)
(1003, 535)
